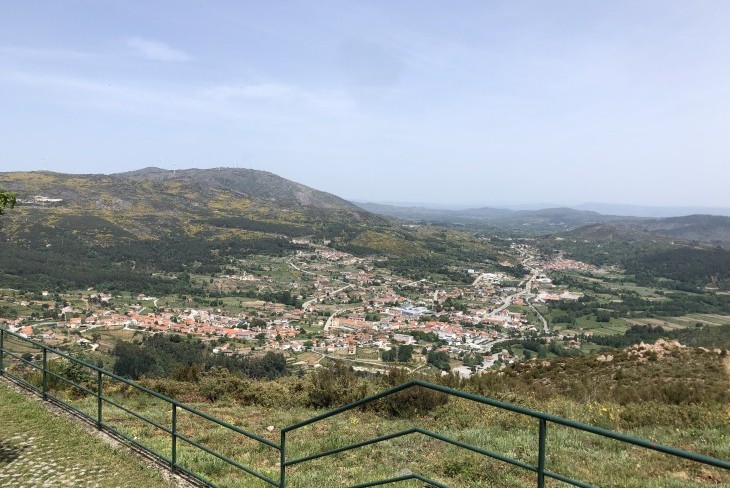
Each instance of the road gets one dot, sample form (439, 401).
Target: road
(328, 324)
(314, 300)
(300, 269)
(508, 300)
(539, 315)
(527, 294)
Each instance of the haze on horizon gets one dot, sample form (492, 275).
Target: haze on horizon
(410, 101)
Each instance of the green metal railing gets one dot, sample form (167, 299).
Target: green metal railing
(543, 420)
(101, 400)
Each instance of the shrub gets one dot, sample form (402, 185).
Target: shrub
(413, 402)
(334, 386)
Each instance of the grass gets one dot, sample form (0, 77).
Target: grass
(40, 447)
(582, 389)
(585, 456)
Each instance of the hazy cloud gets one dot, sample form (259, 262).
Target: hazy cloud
(43, 54)
(253, 91)
(282, 93)
(156, 50)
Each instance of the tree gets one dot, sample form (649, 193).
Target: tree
(7, 199)
(405, 353)
(389, 356)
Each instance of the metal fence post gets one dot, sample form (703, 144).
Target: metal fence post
(98, 399)
(45, 373)
(174, 438)
(282, 459)
(2, 352)
(541, 454)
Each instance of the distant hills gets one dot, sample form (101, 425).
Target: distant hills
(152, 229)
(545, 220)
(711, 229)
(409, 210)
(651, 212)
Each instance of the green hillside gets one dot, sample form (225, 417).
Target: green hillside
(148, 230)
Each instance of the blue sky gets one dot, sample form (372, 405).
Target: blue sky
(471, 102)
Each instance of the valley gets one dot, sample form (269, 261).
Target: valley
(267, 310)
(327, 287)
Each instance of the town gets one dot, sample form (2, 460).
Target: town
(324, 304)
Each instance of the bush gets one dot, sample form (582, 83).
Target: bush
(413, 402)
(334, 386)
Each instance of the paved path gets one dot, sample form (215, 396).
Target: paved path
(32, 461)
(40, 448)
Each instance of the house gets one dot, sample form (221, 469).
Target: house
(404, 338)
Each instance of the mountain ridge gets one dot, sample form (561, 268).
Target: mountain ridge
(711, 229)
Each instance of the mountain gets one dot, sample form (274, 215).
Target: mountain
(126, 230)
(617, 231)
(546, 220)
(246, 183)
(409, 212)
(120, 229)
(651, 212)
(705, 229)
(712, 229)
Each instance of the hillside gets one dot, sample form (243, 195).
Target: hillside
(711, 229)
(248, 184)
(662, 392)
(540, 221)
(119, 230)
(706, 229)
(652, 251)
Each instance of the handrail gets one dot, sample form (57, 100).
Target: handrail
(173, 432)
(543, 419)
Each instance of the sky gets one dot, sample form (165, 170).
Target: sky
(468, 103)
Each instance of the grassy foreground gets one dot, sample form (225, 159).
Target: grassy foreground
(673, 396)
(38, 448)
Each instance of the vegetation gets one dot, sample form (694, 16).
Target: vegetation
(631, 304)
(653, 262)
(172, 356)
(691, 268)
(686, 408)
(439, 359)
(7, 199)
(703, 336)
(402, 354)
